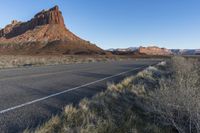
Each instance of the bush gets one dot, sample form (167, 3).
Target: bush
(177, 100)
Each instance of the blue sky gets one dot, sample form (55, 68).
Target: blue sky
(119, 23)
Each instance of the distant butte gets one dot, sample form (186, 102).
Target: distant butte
(45, 33)
(153, 50)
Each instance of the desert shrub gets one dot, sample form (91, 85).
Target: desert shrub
(52, 126)
(177, 100)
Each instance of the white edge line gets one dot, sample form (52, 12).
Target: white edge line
(65, 91)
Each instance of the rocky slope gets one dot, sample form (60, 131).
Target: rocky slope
(44, 34)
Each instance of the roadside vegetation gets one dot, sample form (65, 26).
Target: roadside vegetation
(177, 100)
(160, 99)
(10, 61)
(13, 61)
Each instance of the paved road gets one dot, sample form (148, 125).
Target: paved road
(29, 96)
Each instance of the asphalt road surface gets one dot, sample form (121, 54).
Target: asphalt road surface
(29, 96)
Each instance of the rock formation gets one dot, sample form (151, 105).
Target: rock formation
(45, 33)
(153, 50)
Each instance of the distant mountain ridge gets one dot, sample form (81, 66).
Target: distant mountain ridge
(186, 51)
(154, 50)
(124, 49)
(45, 33)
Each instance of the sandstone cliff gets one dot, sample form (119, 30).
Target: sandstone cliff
(44, 33)
(153, 50)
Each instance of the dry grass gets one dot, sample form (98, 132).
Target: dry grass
(10, 61)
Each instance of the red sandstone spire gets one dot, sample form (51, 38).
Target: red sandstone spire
(51, 16)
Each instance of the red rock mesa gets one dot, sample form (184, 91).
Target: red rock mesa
(45, 33)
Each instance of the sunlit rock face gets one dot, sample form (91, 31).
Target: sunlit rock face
(44, 33)
(153, 50)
